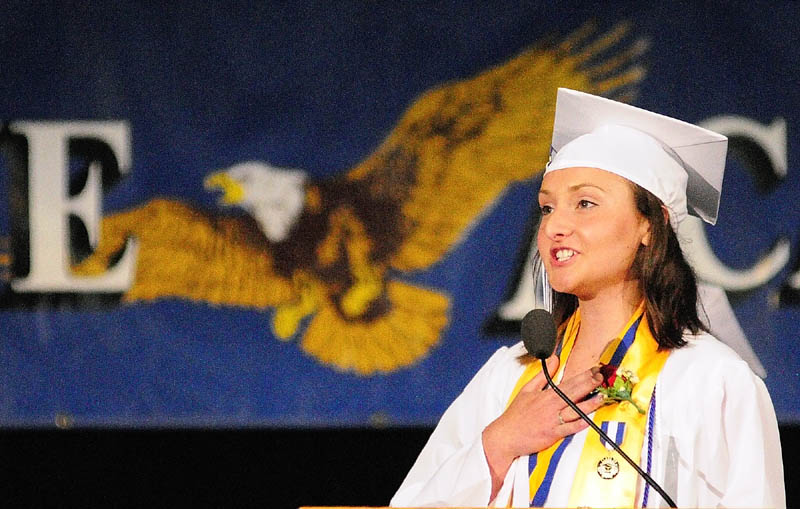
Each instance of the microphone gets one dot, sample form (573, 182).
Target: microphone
(538, 331)
(539, 337)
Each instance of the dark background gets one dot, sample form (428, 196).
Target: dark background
(281, 468)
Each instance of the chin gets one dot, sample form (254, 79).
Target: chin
(577, 288)
(562, 286)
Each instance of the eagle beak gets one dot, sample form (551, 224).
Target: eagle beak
(232, 191)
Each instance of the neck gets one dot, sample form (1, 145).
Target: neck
(603, 315)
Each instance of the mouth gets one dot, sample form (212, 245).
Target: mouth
(563, 254)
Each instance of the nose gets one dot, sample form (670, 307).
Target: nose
(557, 225)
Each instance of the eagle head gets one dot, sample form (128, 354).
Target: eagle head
(273, 196)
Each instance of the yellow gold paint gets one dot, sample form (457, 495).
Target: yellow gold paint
(233, 192)
(288, 316)
(184, 254)
(313, 199)
(396, 340)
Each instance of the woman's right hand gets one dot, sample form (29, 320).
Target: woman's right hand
(531, 423)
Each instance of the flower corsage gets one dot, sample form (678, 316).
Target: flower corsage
(618, 384)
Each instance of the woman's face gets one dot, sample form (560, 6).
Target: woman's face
(590, 231)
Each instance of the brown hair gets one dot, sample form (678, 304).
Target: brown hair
(666, 280)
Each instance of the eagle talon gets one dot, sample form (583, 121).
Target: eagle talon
(358, 297)
(286, 322)
(287, 317)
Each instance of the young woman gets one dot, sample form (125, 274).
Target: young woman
(678, 401)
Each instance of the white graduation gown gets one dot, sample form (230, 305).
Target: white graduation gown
(715, 444)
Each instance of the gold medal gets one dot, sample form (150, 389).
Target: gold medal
(607, 468)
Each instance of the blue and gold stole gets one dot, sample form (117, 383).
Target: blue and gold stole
(603, 478)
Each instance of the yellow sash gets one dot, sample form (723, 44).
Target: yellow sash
(616, 487)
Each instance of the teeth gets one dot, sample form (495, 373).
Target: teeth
(564, 254)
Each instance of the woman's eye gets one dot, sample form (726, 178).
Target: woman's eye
(585, 204)
(545, 209)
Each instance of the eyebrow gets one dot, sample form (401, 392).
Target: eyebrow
(575, 187)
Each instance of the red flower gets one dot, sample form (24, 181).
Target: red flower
(609, 372)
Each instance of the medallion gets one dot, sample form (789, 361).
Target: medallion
(607, 468)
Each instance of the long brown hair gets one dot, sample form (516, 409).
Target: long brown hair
(666, 280)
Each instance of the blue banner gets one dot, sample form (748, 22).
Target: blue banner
(320, 214)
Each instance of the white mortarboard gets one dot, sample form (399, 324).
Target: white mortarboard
(680, 163)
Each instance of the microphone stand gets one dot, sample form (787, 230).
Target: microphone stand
(594, 426)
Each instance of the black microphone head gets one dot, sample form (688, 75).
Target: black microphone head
(538, 332)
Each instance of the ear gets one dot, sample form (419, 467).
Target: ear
(665, 211)
(646, 235)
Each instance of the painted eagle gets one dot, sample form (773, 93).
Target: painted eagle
(328, 255)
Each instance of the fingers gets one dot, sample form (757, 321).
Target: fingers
(572, 427)
(581, 384)
(590, 405)
(572, 422)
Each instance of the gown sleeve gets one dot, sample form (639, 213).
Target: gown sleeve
(728, 451)
(452, 469)
(749, 437)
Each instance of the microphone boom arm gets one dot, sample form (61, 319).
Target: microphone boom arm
(594, 426)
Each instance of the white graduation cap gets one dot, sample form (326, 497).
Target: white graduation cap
(680, 163)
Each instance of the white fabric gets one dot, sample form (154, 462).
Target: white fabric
(716, 438)
(716, 312)
(633, 155)
(700, 152)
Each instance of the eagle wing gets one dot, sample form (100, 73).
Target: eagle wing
(185, 252)
(458, 146)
